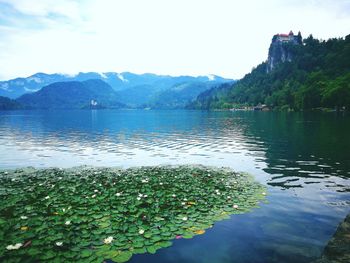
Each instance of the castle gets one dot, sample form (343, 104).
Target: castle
(288, 38)
(279, 51)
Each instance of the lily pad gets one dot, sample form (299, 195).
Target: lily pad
(87, 214)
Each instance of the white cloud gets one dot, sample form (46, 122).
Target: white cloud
(159, 36)
(67, 8)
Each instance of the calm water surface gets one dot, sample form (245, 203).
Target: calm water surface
(303, 158)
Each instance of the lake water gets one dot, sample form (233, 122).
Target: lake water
(303, 158)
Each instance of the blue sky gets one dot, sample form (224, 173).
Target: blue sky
(175, 37)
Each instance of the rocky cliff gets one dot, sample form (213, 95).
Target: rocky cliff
(280, 49)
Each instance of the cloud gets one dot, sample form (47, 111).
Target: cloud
(45, 8)
(221, 37)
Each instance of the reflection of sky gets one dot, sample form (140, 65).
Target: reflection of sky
(307, 189)
(134, 138)
(179, 140)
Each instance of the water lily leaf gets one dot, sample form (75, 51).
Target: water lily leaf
(164, 244)
(86, 253)
(152, 249)
(122, 256)
(199, 232)
(114, 213)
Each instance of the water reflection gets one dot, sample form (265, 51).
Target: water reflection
(303, 158)
(295, 149)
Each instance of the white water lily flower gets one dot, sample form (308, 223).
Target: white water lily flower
(235, 206)
(185, 199)
(160, 183)
(263, 193)
(63, 210)
(145, 195)
(229, 197)
(139, 198)
(93, 196)
(108, 240)
(96, 191)
(67, 223)
(141, 231)
(47, 197)
(184, 218)
(173, 195)
(183, 203)
(14, 247)
(140, 195)
(59, 244)
(118, 194)
(24, 217)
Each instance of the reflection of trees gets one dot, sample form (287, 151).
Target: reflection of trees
(298, 148)
(303, 147)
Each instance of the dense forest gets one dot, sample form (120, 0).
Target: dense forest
(8, 104)
(317, 77)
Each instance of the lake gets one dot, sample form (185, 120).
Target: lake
(303, 159)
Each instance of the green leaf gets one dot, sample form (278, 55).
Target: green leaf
(122, 256)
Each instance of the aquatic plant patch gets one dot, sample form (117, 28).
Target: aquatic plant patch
(93, 214)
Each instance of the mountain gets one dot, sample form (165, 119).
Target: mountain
(8, 104)
(19, 86)
(72, 95)
(169, 93)
(118, 81)
(180, 95)
(310, 74)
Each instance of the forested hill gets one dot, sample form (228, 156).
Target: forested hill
(318, 75)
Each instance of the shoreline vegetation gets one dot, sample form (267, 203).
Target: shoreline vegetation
(316, 76)
(90, 214)
(266, 108)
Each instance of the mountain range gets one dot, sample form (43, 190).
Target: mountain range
(299, 74)
(110, 89)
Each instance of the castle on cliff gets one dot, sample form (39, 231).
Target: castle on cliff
(279, 51)
(288, 38)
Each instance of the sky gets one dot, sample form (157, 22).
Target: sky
(173, 37)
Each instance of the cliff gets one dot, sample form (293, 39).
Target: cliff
(281, 49)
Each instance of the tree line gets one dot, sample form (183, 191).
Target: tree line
(317, 77)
